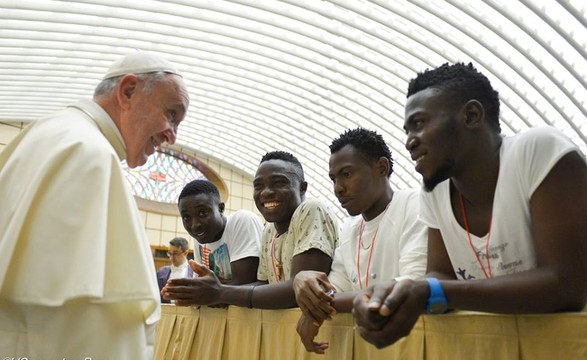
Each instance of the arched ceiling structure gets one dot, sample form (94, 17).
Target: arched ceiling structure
(291, 75)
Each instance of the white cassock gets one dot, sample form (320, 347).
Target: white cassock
(77, 276)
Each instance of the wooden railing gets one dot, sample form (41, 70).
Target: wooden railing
(238, 333)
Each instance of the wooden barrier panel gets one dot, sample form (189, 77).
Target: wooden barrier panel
(240, 334)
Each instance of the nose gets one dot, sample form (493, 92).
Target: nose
(266, 191)
(261, 194)
(411, 142)
(170, 135)
(194, 225)
(338, 187)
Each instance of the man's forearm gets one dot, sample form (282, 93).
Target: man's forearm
(274, 296)
(533, 291)
(259, 295)
(343, 301)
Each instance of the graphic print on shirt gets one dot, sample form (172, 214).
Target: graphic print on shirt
(219, 261)
(498, 260)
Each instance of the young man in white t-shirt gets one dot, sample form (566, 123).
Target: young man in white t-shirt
(382, 240)
(505, 215)
(227, 245)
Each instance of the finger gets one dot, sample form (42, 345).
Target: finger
(326, 286)
(165, 295)
(308, 294)
(315, 307)
(181, 282)
(398, 295)
(320, 347)
(366, 318)
(304, 305)
(380, 293)
(360, 309)
(377, 337)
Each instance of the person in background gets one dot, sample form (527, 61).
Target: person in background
(228, 245)
(76, 269)
(505, 215)
(299, 235)
(177, 252)
(381, 241)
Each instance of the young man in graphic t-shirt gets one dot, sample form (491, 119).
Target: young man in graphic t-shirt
(227, 245)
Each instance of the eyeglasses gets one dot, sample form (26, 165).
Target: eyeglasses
(171, 254)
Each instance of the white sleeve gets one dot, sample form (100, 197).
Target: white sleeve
(338, 276)
(413, 246)
(245, 235)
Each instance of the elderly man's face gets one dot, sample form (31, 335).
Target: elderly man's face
(152, 117)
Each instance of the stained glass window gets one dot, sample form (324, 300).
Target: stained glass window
(163, 176)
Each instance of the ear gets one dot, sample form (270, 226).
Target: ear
(382, 166)
(303, 188)
(221, 207)
(473, 114)
(126, 89)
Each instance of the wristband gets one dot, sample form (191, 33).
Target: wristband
(436, 303)
(250, 297)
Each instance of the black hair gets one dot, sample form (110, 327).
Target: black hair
(285, 156)
(179, 242)
(197, 187)
(464, 83)
(368, 142)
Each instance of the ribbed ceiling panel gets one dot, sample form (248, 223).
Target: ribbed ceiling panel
(292, 75)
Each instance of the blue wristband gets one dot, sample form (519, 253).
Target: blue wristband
(436, 303)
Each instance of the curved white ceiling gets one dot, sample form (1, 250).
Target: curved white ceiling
(291, 75)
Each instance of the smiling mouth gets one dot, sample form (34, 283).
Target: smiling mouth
(200, 234)
(271, 204)
(420, 159)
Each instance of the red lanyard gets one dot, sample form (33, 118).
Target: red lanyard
(361, 228)
(488, 271)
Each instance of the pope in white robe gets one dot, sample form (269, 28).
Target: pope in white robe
(77, 277)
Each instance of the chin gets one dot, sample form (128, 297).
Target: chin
(272, 218)
(431, 183)
(133, 163)
(428, 186)
(443, 173)
(352, 212)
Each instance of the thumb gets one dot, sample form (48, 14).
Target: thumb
(201, 270)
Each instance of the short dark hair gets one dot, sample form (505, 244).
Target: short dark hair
(179, 242)
(197, 187)
(464, 83)
(285, 156)
(368, 142)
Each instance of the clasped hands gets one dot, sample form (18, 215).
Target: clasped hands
(310, 288)
(203, 290)
(384, 313)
